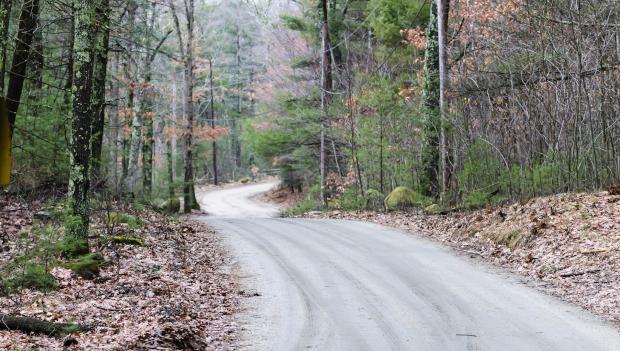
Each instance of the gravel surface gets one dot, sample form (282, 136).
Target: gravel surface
(344, 285)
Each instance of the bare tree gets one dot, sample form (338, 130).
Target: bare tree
(186, 50)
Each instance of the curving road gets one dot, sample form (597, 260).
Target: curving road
(339, 285)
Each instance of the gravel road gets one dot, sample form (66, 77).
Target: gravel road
(339, 285)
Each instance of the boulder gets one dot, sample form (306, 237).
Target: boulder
(403, 197)
(170, 206)
(433, 209)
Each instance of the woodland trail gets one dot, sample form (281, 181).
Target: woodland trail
(342, 285)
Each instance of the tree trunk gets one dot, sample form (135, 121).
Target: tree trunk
(148, 114)
(5, 17)
(134, 147)
(102, 44)
(214, 143)
(442, 37)
(189, 196)
(36, 326)
(61, 128)
(236, 128)
(79, 181)
(431, 94)
(129, 110)
(25, 34)
(326, 87)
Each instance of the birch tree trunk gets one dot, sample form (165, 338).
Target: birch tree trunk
(79, 182)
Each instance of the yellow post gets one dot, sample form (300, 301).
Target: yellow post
(5, 145)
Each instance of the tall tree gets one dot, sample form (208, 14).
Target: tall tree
(443, 10)
(23, 44)
(432, 112)
(212, 122)
(326, 87)
(186, 50)
(128, 69)
(102, 44)
(81, 122)
(137, 121)
(5, 18)
(147, 111)
(236, 145)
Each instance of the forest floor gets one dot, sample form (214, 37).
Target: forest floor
(177, 291)
(282, 197)
(567, 244)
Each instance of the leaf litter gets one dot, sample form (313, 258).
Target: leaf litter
(173, 293)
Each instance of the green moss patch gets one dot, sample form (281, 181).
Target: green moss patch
(403, 197)
(87, 266)
(170, 206)
(126, 240)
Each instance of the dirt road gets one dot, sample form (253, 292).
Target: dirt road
(339, 285)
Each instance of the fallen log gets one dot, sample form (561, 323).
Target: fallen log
(37, 326)
(566, 275)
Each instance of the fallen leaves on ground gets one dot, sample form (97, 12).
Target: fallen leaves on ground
(568, 243)
(173, 293)
(282, 196)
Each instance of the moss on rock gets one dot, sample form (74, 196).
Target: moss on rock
(86, 266)
(403, 197)
(170, 206)
(132, 221)
(127, 240)
(71, 246)
(433, 209)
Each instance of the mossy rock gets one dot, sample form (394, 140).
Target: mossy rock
(87, 266)
(170, 206)
(132, 221)
(71, 246)
(403, 197)
(433, 209)
(126, 240)
(245, 180)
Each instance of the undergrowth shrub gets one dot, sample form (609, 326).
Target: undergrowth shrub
(30, 269)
